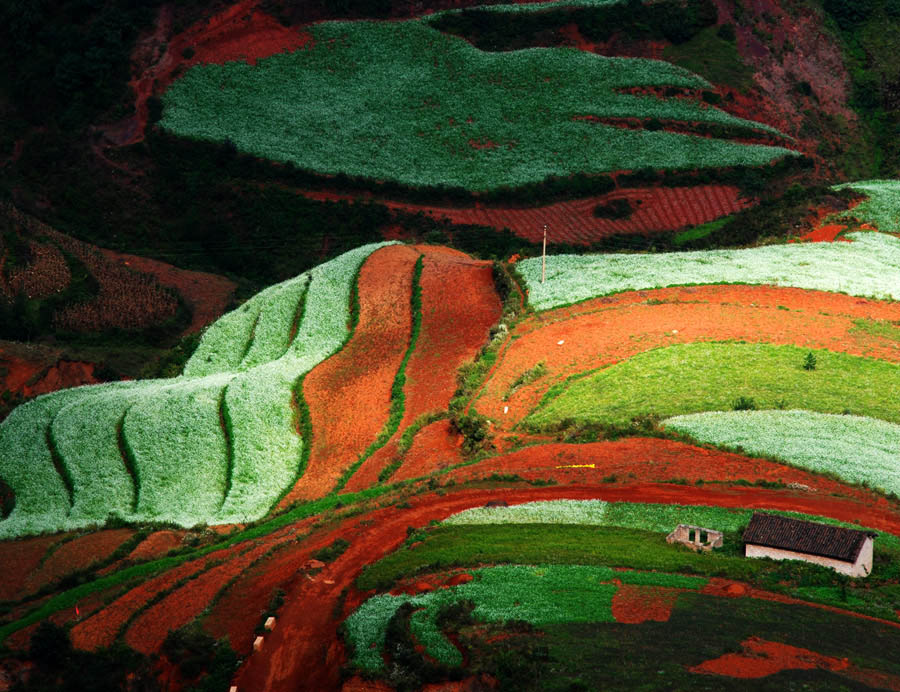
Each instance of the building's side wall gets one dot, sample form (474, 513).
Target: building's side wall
(853, 570)
(863, 565)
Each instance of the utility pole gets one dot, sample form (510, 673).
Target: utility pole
(544, 257)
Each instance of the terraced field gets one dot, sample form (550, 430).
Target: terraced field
(441, 112)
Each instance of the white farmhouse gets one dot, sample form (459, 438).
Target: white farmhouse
(847, 551)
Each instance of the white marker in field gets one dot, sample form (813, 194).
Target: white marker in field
(544, 256)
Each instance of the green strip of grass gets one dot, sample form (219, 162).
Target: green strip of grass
(701, 231)
(464, 546)
(691, 378)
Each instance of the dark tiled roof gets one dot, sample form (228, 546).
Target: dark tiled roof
(805, 537)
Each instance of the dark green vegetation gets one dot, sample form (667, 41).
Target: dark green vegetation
(658, 654)
(669, 20)
(870, 33)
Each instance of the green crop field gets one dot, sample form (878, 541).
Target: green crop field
(868, 266)
(691, 378)
(853, 448)
(539, 595)
(218, 444)
(402, 101)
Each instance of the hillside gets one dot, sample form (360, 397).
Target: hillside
(292, 400)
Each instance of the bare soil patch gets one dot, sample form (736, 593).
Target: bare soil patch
(19, 559)
(75, 555)
(635, 604)
(459, 305)
(349, 395)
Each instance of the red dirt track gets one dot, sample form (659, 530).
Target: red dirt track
(459, 305)
(349, 394)
(644, 459)
(607, 330)
(303, 653)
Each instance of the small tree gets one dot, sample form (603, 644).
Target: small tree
(809, 363)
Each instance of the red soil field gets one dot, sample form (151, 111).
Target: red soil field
(825, 234)
(76, 554)
(33, 377)
(349, 394)
(459, 305)
(607, 330)
(101, 629)
(147, 633)
(241, 32)
(206, 294)
(648, 459)
(573, 221)
(303, 653)
(157, 544)
(634, 604)
(235, 614)
(436, 447)
(760, 658)
(19, 559)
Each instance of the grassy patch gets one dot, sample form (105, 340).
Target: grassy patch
(883, 329)
(701, 231)
(693, 378)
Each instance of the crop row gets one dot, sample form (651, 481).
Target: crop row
(696, 377)
(868, 266)
(401, 101)
(216, 445)
(853, 448)
(539, 595)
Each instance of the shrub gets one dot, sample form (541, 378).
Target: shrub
(475, 430)
(744, 403)
(809, 363)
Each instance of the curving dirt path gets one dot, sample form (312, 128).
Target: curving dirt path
(604, 331)
(349, 394)
(459, 305)
(303, 652)
(648, 459)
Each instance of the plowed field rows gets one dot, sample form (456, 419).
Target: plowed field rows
(459, 305)
(634, 604)
(349, 395)
(19, 559)
(101, 629)
(149, 630)
(608, 330)
(77, 554)
(655, 209)
(435, 447)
